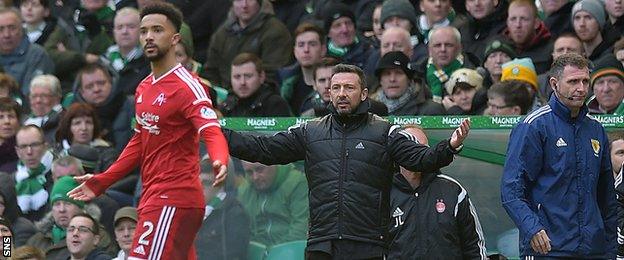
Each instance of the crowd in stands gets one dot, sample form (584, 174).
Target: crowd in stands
(69, 70)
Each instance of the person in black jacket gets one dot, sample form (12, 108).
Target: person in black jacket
(251, 94)
(349, 160)
(225, 230)
(432, 216)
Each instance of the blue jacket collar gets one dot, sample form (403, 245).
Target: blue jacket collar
(563, 111)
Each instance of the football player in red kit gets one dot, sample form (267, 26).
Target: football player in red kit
(172, 111)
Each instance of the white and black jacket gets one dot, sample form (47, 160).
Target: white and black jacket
(434, 221)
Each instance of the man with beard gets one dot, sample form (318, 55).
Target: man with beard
(172, 111)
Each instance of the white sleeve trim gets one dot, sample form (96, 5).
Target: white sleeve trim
(208, 125)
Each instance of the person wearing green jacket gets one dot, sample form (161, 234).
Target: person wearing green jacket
(276, 200)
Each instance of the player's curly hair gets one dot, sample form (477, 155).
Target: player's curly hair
(172, 13)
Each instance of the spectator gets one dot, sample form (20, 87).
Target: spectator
(184, 56)
(607, 82)
(348, 222)
(248, 30)
(297, 79)
(400, 91)
(618, 50)
(319, 101)
(32, 178)
(289, 12)
(10, 118)
(20, 58)
(77, 42)
(437, 13)
(276, 199)
(10, 89)
(616, 146)
(509, 97)
(485, 19)
(114, 109)
(561, 209)
(401, 13)
(440, 221)
(38, 23)
(615, 10)
(45, 105)
(80, 125)
(27, 253)
(83, 238)
(72, 166)
(126, 56)
(343, 43)
(588, 19)
(565, 43)
(557, 16)
(252, 94)
(393, 39)
(496, 53)
(5, 231)
(528, 34)
(22, 228)
(125, 222)
(523, 70)
(445, 57)
(375, 35)
(52, 229)
(462, 87)
(204, 26)
(225, 229)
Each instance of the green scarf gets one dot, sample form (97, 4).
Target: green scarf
(58, 234)
(215, 203)
(436, 77)
(29, 186)
(335, 51)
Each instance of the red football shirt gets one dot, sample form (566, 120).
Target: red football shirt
(171, 111)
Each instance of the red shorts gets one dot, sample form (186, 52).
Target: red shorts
(166, 233)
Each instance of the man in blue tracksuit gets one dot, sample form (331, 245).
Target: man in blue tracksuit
(557, 183)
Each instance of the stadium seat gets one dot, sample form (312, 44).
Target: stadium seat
(256, 251)
(294, 250)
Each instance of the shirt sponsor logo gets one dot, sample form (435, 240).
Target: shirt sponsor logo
(207, 113)
(148, 122)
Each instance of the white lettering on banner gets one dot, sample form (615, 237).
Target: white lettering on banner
(505, 121)
(452, 120)
(223, 122)
(407, 121)
(609, 120)
(265, 122)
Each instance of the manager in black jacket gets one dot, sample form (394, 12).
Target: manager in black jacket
(432, 216)
(349, 160)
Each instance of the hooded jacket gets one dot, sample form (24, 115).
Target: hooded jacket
(557, 177)
(539, 48)
(609, 37)
(559, 21)
(349, 161)
(436, 220)
(279, 214)
(265, 36)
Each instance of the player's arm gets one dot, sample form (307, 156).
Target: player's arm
(523, 163)
(280, 148)
(412, 155)
(607, 202)
(94, 185)
(470, 231)
(619, 189)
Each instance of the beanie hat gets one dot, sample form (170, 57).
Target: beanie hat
(395, 59)
(60, 189)
(125, 212)
(399, 8)
(468, 76)
(593, 7)
(498, 45)
(87, 155)
(334, 11)
(607, 65)
(520, 69)
(5, 222)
